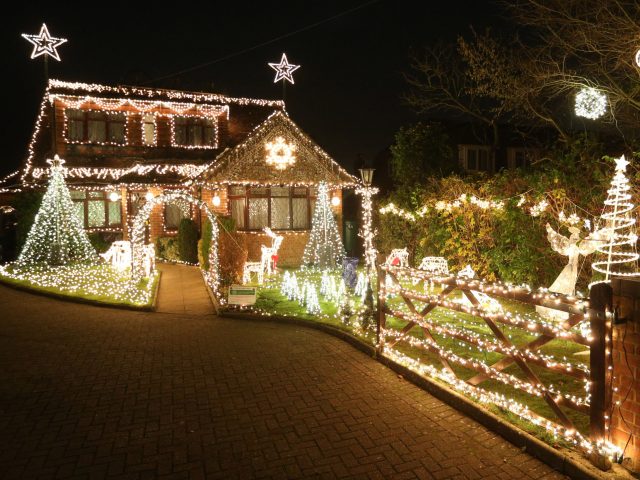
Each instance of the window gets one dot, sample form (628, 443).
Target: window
(149, 129)
(95, 210)
(475, 158)
(89, 126)
(75, 124)
(194, 132)
(520, 157)
(280, 208)
(174, 212)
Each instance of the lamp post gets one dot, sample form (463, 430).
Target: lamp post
(366, 232)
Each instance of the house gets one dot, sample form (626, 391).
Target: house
(243, 156)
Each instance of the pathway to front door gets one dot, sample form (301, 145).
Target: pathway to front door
(182, 290)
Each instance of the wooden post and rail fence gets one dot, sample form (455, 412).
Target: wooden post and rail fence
(577, 323)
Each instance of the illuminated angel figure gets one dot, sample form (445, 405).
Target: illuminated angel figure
(571, 247)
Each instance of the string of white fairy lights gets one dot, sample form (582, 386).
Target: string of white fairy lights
(469, 339)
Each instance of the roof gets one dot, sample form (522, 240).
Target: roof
(245, 163)
(149, 164)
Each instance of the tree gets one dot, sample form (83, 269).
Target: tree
(324, 249)
(57, 236)
(533, 76)
(420, 151)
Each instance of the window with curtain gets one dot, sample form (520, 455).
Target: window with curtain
(149, 129)
(90, 126)
(95, 210)
(75, 124)
(277, 207)
(194, 131)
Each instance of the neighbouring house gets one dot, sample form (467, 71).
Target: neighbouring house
(245, 157)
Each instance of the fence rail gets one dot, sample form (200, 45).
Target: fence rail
(419, 328)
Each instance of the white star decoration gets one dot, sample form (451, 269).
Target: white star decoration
(284, 69)
(44, 44)
(621, 163)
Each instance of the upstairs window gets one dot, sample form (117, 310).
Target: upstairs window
(149, 129)
(195, 132)
(97, 127)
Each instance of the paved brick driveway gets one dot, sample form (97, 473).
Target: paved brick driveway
(87, 392)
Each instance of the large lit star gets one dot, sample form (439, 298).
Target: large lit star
(44, 44)
(284, 69)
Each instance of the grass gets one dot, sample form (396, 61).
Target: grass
(95, 283)
(271, 300)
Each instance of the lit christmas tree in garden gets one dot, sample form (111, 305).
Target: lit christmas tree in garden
(616, 249)
(57, 236)
(324, 249)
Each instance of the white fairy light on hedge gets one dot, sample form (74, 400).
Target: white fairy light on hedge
(590, 103)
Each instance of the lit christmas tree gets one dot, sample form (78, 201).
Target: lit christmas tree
(324, 249)
(57, 236)
(616, 252)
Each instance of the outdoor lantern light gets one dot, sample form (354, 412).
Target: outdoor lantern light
(148, 196)
(114, 197)
(216, 200)
(335, 200)
(367, 176)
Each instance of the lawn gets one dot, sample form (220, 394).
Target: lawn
(96, 283)
(271, 300)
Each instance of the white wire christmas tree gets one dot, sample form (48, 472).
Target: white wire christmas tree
(616, 252)
(57, 236)
(324, 249)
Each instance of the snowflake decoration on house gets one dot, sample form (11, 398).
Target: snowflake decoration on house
(44, 43)
(280, 153)
(284, 69)
(590, 103)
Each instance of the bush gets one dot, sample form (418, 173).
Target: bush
(167, 249)
(204, 245)
(188, 241)
(26, 204)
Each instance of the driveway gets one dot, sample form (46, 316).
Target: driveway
(89, 392)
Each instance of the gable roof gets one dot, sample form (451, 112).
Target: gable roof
(245, 163)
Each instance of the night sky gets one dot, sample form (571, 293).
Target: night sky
(347, 94)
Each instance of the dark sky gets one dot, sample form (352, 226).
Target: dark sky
(347, 91)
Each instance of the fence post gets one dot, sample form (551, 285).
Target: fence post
(600, 305)
(382, 305)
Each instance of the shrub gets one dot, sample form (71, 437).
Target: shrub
(188, 241)
(204, 245)
(167, 249)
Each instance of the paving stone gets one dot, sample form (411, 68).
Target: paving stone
(88, 392)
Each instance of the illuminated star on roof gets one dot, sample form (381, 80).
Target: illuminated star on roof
(44, 44)
(284, 69)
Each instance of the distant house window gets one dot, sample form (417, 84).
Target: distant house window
(95, 210)
(280, 208)
(194, 132)
(520, 157)
(89, 126)
(149, 129)
(476, 158)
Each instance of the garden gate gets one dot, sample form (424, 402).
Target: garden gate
(482, 349)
